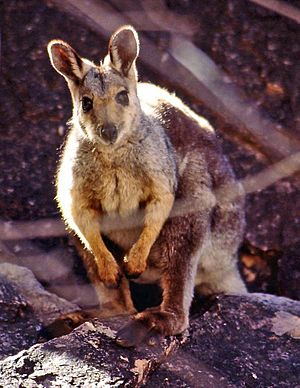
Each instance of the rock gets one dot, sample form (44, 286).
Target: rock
(55, 264)
(88, 357)
(273, 230)
(286, 323)
(25, 307)
(46, 306)
(235, 338)
(289, 272)
(18, 326)
(233, 344)
(272, 221)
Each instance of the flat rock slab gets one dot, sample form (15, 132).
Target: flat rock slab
(241, 341)
(236, 341)
(88, 357)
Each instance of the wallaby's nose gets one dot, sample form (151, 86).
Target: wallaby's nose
(109, 133)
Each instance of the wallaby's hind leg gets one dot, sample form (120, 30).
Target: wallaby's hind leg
(217, 270)
(183, 240)
(177, 252)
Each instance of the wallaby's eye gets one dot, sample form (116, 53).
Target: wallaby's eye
(87, 104)
(122, 98)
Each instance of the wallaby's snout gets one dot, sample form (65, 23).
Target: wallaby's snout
(108, 133)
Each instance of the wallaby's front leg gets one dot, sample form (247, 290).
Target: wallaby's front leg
(156, 213)
(88, 230)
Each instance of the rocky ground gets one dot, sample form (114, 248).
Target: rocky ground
(254, 55)
(247, 341)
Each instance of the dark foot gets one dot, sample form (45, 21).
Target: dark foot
(149, 326)
(133, 334)
(64, 325)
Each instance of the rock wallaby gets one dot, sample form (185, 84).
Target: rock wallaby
(141, 170)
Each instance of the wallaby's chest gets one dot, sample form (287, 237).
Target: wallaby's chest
(114, 188)
(119, 191)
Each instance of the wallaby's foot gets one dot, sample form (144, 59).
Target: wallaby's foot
(68, 322)
(109, 273)
(135, 333)
(64, 324)
(151, 324)
(136, 261)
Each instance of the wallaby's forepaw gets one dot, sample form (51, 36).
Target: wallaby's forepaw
(150, 324)
(113, 282)
(135, 262)
(110, 274)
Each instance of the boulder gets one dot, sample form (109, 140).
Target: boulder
(240, 341)
(25, 307)
(18, 326)
(45, 305)
(289, 272)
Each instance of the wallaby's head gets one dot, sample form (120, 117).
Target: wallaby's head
(105, 103)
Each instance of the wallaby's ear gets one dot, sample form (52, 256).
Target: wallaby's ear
(123, 50)
(66, 61)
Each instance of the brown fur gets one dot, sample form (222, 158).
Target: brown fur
(121, 169)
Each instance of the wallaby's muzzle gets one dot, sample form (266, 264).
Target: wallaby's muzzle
(108, 133)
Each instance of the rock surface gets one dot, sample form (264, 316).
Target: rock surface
(25, 307)
(289, 272)
(18, 325)
(46, 306)
(233, 344)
